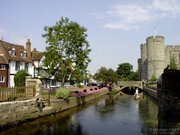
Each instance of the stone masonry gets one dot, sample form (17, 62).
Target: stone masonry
(155, 56)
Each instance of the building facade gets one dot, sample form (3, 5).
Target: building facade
(3, 71)
(14, 57)
(155, 56)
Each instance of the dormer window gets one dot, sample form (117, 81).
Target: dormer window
(2, 67)
(24, 54)
(12, 52)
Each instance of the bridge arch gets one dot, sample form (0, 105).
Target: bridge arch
(129, 87)
(130, 90)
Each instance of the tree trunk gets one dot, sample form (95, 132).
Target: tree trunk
(63, 80)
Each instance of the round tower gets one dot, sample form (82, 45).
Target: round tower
(143, 61)
(155, 56)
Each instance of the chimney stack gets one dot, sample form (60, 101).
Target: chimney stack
(28, 48)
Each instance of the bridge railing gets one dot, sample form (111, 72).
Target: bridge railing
(152, 85)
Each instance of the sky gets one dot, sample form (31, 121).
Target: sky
(115, 28)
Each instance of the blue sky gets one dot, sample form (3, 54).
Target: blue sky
(115, 28)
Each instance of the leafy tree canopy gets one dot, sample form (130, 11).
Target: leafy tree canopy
(133, 76)
(124, 69)
(20, 78)
(106, 76)
(125, 73)
(66, 57)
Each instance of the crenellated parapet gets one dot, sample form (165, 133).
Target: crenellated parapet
(152, 39)
(155, 56)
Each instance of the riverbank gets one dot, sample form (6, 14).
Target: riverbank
(15, 112)
(106, 115)
(151, 92)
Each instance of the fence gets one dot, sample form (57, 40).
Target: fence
(9, 94)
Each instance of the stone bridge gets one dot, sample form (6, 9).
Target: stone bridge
(129, 87)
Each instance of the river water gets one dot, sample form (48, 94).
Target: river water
(108, 115)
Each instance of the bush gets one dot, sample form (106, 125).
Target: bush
(153, 78)
(79, 85)
(62, 93)
(20, 78)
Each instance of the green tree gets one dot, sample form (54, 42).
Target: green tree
(66, 57)
(123, 70)
(106, 76)
(133, 76)
(173, 63)
(20, 78)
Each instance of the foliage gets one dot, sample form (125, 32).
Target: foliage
(125, 72)
(27, 116)
(114, 92)
(62, 93)
(43, 73)
(173, 63)
(153, 78)
(79, 85)
(106, 76)
(20, 78)
(66, 57)
(133, 76)
(124, 69)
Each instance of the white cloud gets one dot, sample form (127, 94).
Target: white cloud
(122, 26)
(167, 8)
(130, 13)
(133, 16)
(128, 17)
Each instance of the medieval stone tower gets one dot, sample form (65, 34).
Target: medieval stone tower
(155, 57)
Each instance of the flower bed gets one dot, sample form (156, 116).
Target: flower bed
(87, 91)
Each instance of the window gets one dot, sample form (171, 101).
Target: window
(26, 66)
(35, 72)
(24, 54)
(2, 79)
(17, 68)
(12, 52)
(2, 67)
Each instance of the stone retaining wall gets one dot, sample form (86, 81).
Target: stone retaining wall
(18, 111)
(151, 92)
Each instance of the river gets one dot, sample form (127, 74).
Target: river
(108, 115)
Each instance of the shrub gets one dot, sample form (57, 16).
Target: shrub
(153, 78)
(20, 78)
(79, 85)
(62, 93)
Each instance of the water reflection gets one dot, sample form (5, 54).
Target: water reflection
(169, 122)
(148, 111)
(105, 107)
(109, 115)
(60, 124)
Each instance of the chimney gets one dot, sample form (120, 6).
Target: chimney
(28, 48)
(35, 50)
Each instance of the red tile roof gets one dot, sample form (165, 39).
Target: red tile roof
(18, 48)
(36, 55)
(3, 60)
(5, 57)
